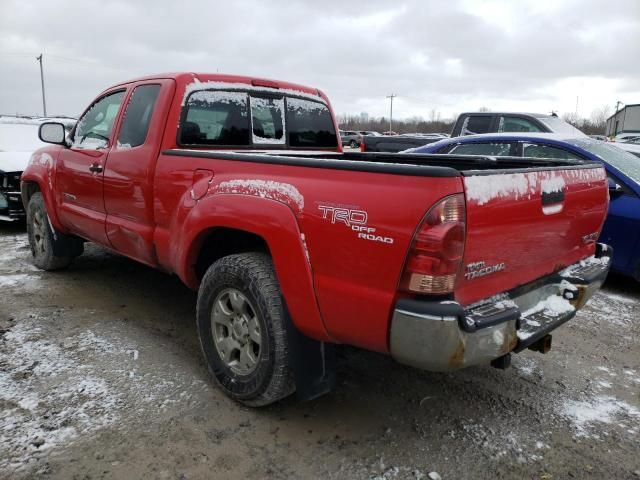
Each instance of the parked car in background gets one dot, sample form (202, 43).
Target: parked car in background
(489, 122)
(425, 135)
(632, 146)
(394, 143)
(622, 227)
(602, 138)
(350, 138)
(18, 140)
(370, 132)
(624, 137)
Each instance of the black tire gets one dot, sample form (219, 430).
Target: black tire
(252, 275)
(353, 144)
(41, 236)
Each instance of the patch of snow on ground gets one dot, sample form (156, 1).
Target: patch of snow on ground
(608, 309)
(51, 396)
(585, 414)
(17, 279)
(499, 444)
(48, 394)
(526, 366)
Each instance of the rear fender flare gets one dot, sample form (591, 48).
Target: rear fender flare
(276, 224)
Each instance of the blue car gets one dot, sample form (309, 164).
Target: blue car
(622, 226)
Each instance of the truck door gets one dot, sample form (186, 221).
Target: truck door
(129, 171)
(79, 174)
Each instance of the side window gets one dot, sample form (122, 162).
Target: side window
(498, 149)
(545, 151)
(94, 128)
(310, 124)
(267, 120)
(515, 124)
(137, 116)
(476, 124)
(215, 118)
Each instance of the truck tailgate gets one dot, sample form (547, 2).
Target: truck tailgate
(524, 225)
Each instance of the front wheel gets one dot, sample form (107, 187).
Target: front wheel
(40, 235)
(353, 144)
(241, 326)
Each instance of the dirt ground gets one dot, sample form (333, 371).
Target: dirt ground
(101, 377)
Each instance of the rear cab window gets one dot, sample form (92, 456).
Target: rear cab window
(248, 119)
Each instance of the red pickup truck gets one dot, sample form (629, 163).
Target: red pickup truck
(239, 186)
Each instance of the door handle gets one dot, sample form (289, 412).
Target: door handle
(95, 168)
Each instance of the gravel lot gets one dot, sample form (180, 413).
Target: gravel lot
(101, 377)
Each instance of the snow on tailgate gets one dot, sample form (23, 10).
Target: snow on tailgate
(481, 189)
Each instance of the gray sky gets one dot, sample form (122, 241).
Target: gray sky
(448, 56)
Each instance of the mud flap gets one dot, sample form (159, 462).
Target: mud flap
(313, 363)
(65, 245)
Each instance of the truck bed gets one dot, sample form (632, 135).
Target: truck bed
(390, 163)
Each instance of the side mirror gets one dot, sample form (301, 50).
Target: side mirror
(614, 187)
(52, 132)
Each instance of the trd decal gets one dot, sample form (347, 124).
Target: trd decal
(356, 220)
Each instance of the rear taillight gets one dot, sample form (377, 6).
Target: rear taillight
(436, 252)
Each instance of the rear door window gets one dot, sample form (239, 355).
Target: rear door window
(545, 151)
(267, 120)
(310, 124)
(137, 116)
(215, 118)
(476, 124)
(497, 149)
(517, 124)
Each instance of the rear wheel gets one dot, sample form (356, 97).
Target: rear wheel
(241, 326)
(40, 235)
(353, 144)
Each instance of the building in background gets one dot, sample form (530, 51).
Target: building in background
(626, 120)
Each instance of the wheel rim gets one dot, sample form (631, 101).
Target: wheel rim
(39, 231)
(236, 331)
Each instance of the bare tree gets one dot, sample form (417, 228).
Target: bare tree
(599, 116)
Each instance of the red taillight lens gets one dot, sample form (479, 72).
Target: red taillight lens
(436, 252)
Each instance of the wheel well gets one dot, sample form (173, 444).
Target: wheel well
(220, 242)
(27, 190)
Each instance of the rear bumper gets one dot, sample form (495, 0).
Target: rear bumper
(444, 336)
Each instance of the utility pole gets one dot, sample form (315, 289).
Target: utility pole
(618, 105)
(391, 97)
(44, 103)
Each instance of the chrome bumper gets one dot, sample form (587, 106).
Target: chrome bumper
(444, 336)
